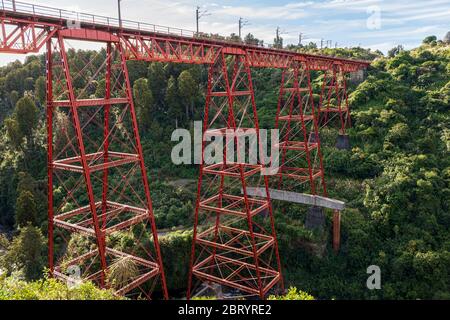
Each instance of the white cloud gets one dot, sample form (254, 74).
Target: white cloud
(359, 5)
(401, 34)
(427, 16)
(290, 11)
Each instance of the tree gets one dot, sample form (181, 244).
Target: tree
(137, 69)
(311, 46)
(3, 92)
(234, 37)
(395, 51)
(143, 100)
(15, 79)
(157, 81)
(26, 182)
(188, 89)
(251, 40)
(398, 135)
(26, 253)
(40, 89)
(173, 100)
(26, 114)
(278, 42)
(13, 131)
(429, 40)
(175, 248)
(33, 67)
(26, 210)
(28, 84)
(13, 98)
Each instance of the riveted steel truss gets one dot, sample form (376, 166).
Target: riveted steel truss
(101, 223)
(333, 104)
(166, 49)
(234, 246)
(301, 166)
(24, 36)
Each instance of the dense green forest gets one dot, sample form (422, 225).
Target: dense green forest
(395, 180)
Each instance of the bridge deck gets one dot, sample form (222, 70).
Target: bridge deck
(48, 16)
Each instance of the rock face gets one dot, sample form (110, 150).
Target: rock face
(447, 38)
(343, 142)
(317, 249)
(357, 77)
(315, 219)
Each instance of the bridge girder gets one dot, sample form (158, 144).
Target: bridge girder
(24, 36)
(27, 33)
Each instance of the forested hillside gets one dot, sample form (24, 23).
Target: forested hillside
(395, 180)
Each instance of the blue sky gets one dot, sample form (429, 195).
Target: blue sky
(377, 24)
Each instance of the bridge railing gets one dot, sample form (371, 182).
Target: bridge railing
(45, 11)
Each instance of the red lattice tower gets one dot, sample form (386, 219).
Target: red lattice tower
(301, 164)
(234, 244)
(333, 104)
(101, 223)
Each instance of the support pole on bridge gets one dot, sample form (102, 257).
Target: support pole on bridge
(198, 15)
(336, 230)
(242, 23)
(119, 12)
(49, 99)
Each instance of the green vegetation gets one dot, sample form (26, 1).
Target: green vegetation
(395, 180)
(50, 289)
(25, 253)
(293, 294)
(398, 170)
